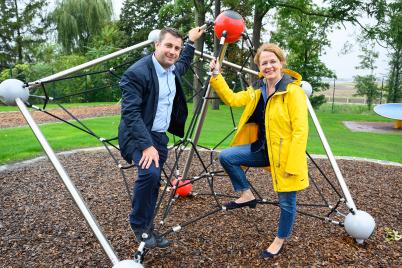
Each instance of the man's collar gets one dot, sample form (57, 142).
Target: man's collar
(158, 67)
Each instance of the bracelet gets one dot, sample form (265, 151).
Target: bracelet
(215, 72)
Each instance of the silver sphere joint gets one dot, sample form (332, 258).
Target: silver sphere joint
(306, 86)
(128, 264)
(359, 225)
(154, 35)
(11, 89)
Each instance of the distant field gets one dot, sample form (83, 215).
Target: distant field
(344, 93)
(342, 89)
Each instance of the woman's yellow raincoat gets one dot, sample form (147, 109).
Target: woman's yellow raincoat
(286, 128)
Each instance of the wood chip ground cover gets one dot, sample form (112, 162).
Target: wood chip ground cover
(40, 226)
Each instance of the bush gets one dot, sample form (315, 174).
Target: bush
(317, 101)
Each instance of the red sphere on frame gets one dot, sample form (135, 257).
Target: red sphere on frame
(231, 22)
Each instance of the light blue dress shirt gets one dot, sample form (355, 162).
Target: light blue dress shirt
(167, 92)
(264, 89)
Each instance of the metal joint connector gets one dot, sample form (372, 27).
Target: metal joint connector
(176, 228)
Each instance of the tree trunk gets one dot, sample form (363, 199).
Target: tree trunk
(216, 102)
(256, 38)
(394, 87)
(397, 83)
(18, 40)
(391, 80)
(199, 45)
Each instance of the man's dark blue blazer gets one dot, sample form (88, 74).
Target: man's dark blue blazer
(140, 92)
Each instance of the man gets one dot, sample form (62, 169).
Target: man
(153, 102)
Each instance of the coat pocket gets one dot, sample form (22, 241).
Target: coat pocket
(282, 154)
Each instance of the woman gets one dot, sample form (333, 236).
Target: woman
(272, 132)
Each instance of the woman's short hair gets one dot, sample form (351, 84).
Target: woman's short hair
(271, 48)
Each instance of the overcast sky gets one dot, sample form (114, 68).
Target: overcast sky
(344, 65)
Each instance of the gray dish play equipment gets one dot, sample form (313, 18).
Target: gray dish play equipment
(391, 111)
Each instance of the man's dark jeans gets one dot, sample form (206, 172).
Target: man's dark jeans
(146, 187)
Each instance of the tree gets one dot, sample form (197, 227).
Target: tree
(387, 31)
(178, 14)
(261, 8)
(139, 17)
(78, 20)
(31, 72)
(217, 10)
(109, 40)
(253, 11)
(391, 34)
(394, 80)
(200, 10)
(305, 38)
(184, 15)
(23, 25)
(367, 85)
(336, 11)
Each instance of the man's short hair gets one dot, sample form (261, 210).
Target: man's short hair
(171, 31)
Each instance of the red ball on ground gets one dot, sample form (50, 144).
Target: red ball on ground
(231, 22)
(184, 190)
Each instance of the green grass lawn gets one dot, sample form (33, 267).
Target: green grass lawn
(343, 142)
(19, 143)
